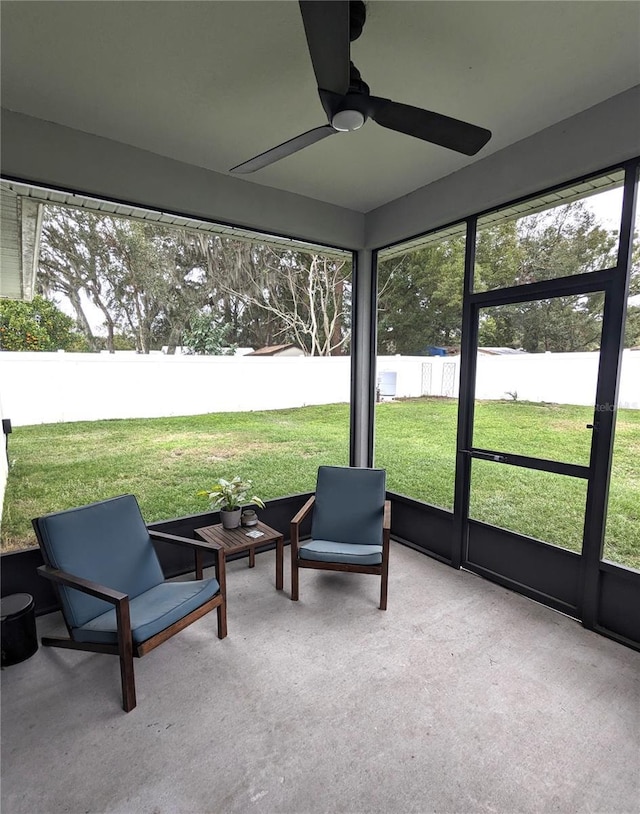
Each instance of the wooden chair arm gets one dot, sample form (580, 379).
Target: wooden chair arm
(295, 523)
(304, 511)
(386, 523)
(81, 584)
(123, 622)
(198, 547)
(185, 541)
(386, 529)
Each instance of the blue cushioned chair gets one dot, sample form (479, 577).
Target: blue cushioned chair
(350, 526)
(111, 587)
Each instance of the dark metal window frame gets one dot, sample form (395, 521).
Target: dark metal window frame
(614, 283)
(607, 590)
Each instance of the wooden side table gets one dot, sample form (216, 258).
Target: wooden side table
(236, 540)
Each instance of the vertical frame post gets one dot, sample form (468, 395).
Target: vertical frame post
(466, 398)
(363, 358)
(613, 323)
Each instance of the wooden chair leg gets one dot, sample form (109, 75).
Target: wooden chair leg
(199, 564)
(57, 641)
(384, 581)
(125, 651)
(221, 576)
(294, 574)
(386, 539)
(222, 619)
(295, 545)
(279, 564)
(128, 682)
(383, 592)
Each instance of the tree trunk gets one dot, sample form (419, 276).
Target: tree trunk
(335, 341)
(172, 341)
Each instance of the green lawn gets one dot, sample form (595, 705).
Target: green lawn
(164, 461)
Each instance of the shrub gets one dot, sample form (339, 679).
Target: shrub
(38, 325)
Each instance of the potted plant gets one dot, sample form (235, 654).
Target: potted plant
(229, 496)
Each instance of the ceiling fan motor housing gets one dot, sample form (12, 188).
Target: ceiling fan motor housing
(353, 109)
(352, 112)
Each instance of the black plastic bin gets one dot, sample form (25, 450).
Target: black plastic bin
(19, 637)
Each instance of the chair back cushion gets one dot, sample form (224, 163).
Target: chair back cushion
(349, 505)
(105, 542)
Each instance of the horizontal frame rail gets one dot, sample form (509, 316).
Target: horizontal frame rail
(541, 464)
(587, 283)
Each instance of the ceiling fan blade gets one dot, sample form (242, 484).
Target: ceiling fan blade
(326, 25)
(434, 127)
(284, 149)
(330, 102)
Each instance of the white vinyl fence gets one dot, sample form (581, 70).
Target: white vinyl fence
(37, 388)
(4, 465)
(556, 378)
(43, 388)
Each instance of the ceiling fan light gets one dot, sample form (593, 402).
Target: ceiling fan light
(347, 120)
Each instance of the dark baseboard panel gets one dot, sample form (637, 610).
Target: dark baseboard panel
(619, 605)
(543, 572)
(426, 528)
(18, 572)
(539, 571)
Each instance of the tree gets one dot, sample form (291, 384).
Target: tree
(309, 295)
(73, 257)
(558, 242)
(306, 298)
(632, 327)
(38, 325)
(420, 298)
(559, 324)
(151, 282)
(219, 265)
(561, 242)
(130, 270)
(204, 335)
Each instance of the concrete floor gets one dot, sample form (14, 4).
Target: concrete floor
(462, 697)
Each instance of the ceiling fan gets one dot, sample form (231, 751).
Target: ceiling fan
(330, 26)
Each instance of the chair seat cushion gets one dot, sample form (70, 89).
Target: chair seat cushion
(330, 551)
(152, 611)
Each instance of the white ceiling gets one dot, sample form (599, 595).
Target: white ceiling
(213, 83)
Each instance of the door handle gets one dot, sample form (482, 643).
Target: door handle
(487, 456)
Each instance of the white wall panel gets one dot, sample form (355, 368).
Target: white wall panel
(42, 388)
(52, 155)
(590, 141)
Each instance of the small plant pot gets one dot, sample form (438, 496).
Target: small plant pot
(230, 520)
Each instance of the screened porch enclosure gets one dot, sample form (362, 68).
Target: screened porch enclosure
(523, 512)
(503, 674)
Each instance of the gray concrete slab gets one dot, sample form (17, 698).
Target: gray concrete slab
(462, 697)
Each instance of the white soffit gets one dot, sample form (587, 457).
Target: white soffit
(57, 197)
(531, 206)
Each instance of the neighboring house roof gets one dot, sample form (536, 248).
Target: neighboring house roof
(278, 350)
(500, 351)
